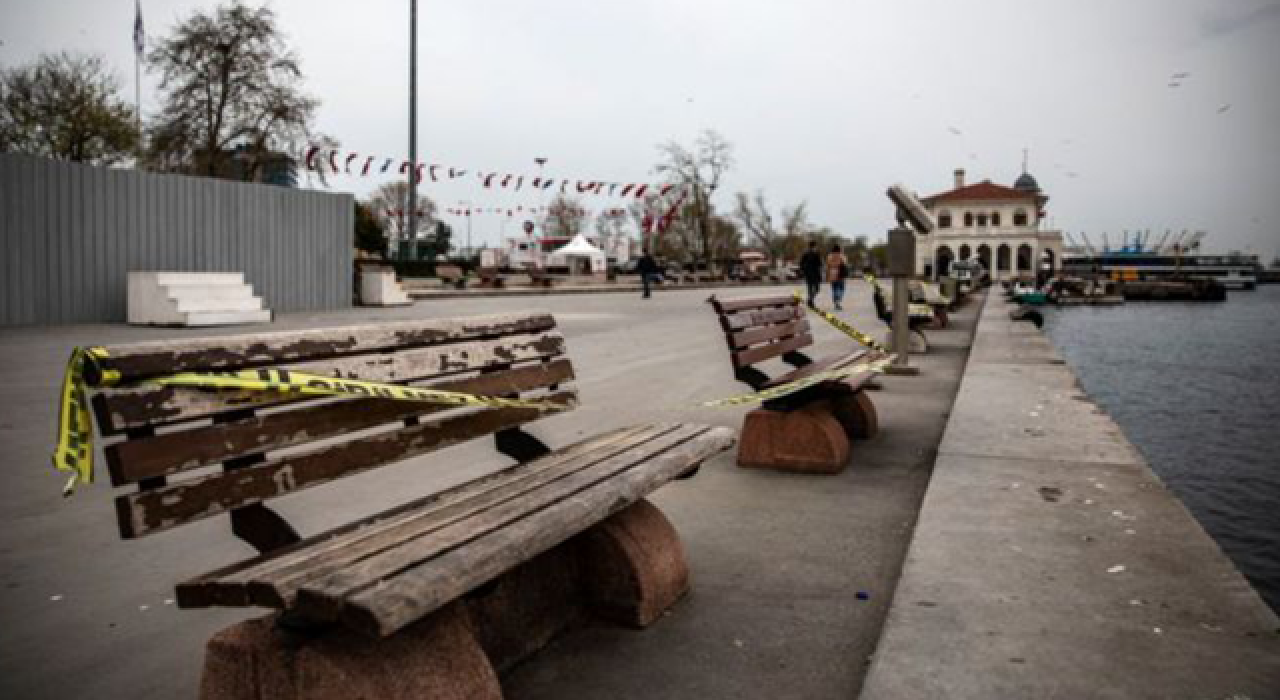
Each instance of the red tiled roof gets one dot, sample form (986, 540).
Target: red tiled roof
(979, 191)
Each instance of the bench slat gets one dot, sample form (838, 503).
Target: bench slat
(747, 319)
(760, 353)
(820, 365)
(752, 336)
(147, 512)
(279, 587)
(120, 409)
(151, 359)
(230, 585)
(135, 460)
(414, 592)
(743, 303)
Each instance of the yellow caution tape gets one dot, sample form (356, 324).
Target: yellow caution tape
(74, 450)
(874, 367)
(844, 327)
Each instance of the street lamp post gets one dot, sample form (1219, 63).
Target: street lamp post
(413, 128)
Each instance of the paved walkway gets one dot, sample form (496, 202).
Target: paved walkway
(777, 559)
(1050, 562)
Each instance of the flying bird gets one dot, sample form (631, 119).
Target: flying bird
(1174, 85)
(1223, 108)
(954, 130)
(1181, 76)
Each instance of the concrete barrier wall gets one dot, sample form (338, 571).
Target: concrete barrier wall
(70, 233)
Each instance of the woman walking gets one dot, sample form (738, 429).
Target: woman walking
(837, 273)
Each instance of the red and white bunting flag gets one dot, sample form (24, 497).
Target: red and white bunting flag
(665, 189)
(333, 161)
(346, 167)
(432, 172)
(367, 162)
(627, 189)
(311, 153)
(640, 191)
(506, 180)
(488, 179)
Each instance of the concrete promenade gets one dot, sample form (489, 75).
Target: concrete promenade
(1050, 562)
(777, 559)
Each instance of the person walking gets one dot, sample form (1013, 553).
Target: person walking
(811, 267)
(837, 273)
(647, 268)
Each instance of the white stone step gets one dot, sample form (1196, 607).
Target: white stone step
(171, 279)
(225, 318)
(249, 303)
(181, 292)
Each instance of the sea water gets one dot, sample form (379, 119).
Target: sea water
(1196, 387)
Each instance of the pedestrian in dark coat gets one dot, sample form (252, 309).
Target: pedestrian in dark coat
(812, 266)
(647, 267)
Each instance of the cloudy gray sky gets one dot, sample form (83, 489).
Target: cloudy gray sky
(824, 101)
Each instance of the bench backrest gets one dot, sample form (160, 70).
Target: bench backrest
(761, 328)
(194, 453)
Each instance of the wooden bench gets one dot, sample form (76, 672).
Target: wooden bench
(472, 578)
(806, 431)
(918, 344)
(452, 276)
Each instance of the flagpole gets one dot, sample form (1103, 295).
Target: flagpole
(139, 39)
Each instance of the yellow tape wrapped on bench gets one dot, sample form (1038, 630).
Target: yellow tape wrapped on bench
(874, 367)
(844, 327)
(74, 449)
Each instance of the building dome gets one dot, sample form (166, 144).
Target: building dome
(1026, 183)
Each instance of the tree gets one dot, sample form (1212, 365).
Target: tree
(232, 96)
(699, 171)
(66, 106)
(565, 217)
(390, 205)
(369, 234)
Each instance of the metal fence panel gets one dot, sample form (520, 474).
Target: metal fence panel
(70, 234)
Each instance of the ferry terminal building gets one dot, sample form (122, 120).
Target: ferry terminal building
(1000, 226)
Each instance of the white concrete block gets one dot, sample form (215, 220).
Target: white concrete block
(378, 287)
(193, 299)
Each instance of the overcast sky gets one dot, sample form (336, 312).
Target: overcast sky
(824, 101)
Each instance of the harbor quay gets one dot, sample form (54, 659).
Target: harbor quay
(978, 546)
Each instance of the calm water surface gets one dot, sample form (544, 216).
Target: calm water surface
(1196, 387)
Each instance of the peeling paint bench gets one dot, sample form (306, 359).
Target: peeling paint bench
(809, 430)
(432, 598)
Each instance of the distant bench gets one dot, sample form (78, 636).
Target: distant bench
(482, 573)
(808, 430)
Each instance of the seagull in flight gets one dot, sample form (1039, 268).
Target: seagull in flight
(954, 130)
(1223, 108)
(1181, 76)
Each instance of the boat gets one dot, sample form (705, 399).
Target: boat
(1138, 263)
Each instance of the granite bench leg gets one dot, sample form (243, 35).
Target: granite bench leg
(809, 439)
(632, 566)
(437, 657)
(857, 414)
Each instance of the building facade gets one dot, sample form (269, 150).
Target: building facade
(1002, 227)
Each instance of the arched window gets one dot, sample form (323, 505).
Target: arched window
(1002, 257)
(1020, 217)
(964, 251)
(968, 220)
(995, 218)
(944, 219)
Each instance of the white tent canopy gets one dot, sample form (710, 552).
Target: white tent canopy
(579, 256)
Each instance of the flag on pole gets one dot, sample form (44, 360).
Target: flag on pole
(139, 35)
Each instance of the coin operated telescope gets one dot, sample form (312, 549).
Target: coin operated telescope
(913, 219)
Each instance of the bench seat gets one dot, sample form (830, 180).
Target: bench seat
(826, 364)
(384, 572)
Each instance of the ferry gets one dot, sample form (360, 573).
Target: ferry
(1136, 261)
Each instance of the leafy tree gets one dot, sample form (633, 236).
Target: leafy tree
(699, 171)
(228, 81)
(369, 234)
(66, 106)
